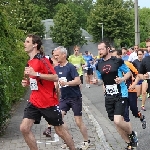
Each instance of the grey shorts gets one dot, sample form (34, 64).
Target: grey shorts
(74, 103)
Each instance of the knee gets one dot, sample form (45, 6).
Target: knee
(24, 128)
(60, 130)
(117, 121)
(143, 92)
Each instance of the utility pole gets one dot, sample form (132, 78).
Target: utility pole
(137, 30)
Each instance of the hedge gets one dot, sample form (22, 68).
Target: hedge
(12, 63)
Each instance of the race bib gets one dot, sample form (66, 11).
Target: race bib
(86, 68)
(62, 79)
(33, 84)
(77, 66)
(111, 89)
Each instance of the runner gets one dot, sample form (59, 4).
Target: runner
(71, 96)
(133, 55)
(142, 85)
(43, 100)
(132, 94)
(78, 61)
(87, 70)
(116, 93)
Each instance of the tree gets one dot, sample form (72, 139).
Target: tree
(66, 31)
(116, 18)
(81, 16)
(144, 14)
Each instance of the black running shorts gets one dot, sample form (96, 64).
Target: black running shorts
(115, 106)
(51, 114)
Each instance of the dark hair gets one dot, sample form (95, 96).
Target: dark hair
(140, 51)
(124, 48)
(37, 40)
(107, 44)
(148, 40)
(52, 51)
(119, 52)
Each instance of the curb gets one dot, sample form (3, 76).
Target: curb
(98, 128)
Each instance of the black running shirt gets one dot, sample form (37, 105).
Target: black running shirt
(136, 63)
(109, 70)
(145, 65)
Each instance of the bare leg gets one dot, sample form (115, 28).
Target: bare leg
(25, 128)
(144, 89)
(82, 127)
(60, 130)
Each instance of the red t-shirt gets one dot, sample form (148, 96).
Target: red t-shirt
(45, 96)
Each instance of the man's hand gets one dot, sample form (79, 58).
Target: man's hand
(146, 76)
(30, 71)
(132, 87)
(62, 83)
(118, 80)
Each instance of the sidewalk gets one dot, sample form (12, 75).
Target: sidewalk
(13, 140)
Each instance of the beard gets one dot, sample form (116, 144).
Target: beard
(104, 55)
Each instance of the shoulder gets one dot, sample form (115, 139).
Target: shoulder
(70, 65)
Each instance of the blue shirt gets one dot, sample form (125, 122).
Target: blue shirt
(88, 58)
(125, 58)
(68, 73)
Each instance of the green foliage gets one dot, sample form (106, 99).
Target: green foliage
(116, 18)
(12, 62)
(144, 15)
(142, 45)
(66, 31)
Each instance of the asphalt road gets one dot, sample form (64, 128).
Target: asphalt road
(95, 95)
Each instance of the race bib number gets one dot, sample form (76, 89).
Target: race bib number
(62, 79)
(33, 84)
(111, 89)
(86, 68)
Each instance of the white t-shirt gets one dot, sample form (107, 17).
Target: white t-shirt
(133, 56)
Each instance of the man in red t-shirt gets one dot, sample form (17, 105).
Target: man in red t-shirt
(41, 76)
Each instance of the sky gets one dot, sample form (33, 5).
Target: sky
(144, 3)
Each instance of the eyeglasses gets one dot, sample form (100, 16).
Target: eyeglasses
(76, 50)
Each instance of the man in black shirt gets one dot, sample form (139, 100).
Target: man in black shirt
(116, 92)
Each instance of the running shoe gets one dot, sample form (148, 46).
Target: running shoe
(143, 120)
(133, 138)
(84, 145)
(47, 132)
(143, 108)
(129, 147)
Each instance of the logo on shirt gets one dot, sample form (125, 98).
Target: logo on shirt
(106, 68)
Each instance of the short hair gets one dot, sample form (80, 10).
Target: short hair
(107, 44)
(35, 39)
(124, 48)
(76, 46)
(119, 52)
(52, 51)
(62, 49)
(140, 51)
(148, 40)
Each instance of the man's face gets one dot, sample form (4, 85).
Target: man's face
(140, 55)
(102, 50)
(59, 56)
(148, 46)
(114, 54)
(124, 52)
(28, 45)
(136, 48)
(76, 51)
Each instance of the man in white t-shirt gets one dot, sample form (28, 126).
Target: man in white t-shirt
(133, 56)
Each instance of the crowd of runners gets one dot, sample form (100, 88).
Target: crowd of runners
(56, 83)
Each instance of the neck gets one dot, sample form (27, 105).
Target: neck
(32, 54)
(76, 54)
(140, 59)
(107, 57)
(63, 63)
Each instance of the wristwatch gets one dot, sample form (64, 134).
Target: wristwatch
(38, 74)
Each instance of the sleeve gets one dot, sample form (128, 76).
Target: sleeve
(99, 74)
(69, 59)
(132, 68)
(124, 68)
(73, 72)
(82, 61)
(142, 69)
